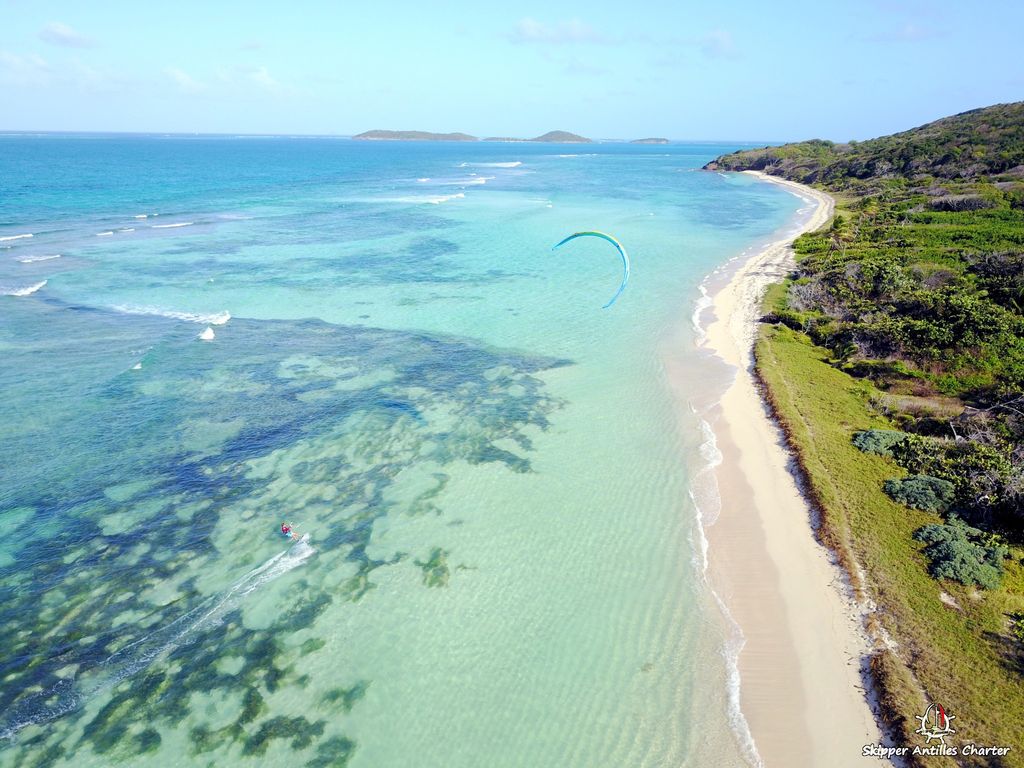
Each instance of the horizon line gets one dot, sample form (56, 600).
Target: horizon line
(295, 135)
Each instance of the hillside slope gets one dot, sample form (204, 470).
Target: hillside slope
(973, 144)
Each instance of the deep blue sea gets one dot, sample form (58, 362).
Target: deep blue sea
(204, 337)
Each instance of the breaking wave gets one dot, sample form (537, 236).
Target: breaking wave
(214, 318)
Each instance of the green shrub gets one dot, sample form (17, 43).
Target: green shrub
(1017, 626)
(788, 317)
(958, 552)
(922, 492)
(880, 441)
(976, 470)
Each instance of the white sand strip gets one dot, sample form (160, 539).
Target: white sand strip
(800, 666)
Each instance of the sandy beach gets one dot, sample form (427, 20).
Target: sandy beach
(801, 691)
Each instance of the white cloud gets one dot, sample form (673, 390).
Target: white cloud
(261, 76)
(717, 44)
(185, 82)
(572, 31)
(24, 70)
(241, 76)
(58, 33)
(575, 66)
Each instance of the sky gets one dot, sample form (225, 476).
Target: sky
(741, 70)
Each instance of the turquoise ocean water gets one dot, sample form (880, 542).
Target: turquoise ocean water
(501, 564)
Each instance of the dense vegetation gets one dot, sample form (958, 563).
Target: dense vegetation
(975, 144)
(915, 296)
(918, 286)
(948, 641)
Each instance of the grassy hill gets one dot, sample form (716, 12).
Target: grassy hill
(894, 358)
(975, 144)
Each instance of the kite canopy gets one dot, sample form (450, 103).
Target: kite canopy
(618, 247)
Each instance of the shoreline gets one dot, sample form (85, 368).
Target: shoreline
(801, 644)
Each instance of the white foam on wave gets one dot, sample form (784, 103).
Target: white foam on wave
(208, 334)
(69, 695)
(25, 290)
(33, 259)
(172, 226)
(127, 229)
(473, 181)
(700, 305)
(214, 318)
(511, 164)
(423, 199)
(15, 237)
(104, 234)
(423, 179)
(704, 494)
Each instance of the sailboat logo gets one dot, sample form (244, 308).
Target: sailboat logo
(935, 724)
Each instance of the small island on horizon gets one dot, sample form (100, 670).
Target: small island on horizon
(381, 135)
(556, 137)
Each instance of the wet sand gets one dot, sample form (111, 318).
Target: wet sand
(799, 668)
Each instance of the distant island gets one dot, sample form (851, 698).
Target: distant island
(563, 137)
(379, 135)
(649, 141)
(556, 137)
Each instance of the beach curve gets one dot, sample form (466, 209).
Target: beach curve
(802, 643)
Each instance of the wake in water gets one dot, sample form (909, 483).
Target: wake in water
(69, 695)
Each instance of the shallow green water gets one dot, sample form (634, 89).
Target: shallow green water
(491, 473)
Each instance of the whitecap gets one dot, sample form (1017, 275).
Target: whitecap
(33, 259)
(25, 290)
(423, 199)
(171, 226)
(15, 237)
(104, 234)
(137, 367)
(208, 334)
(471, 182)
(213, 318)
(512, 164)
